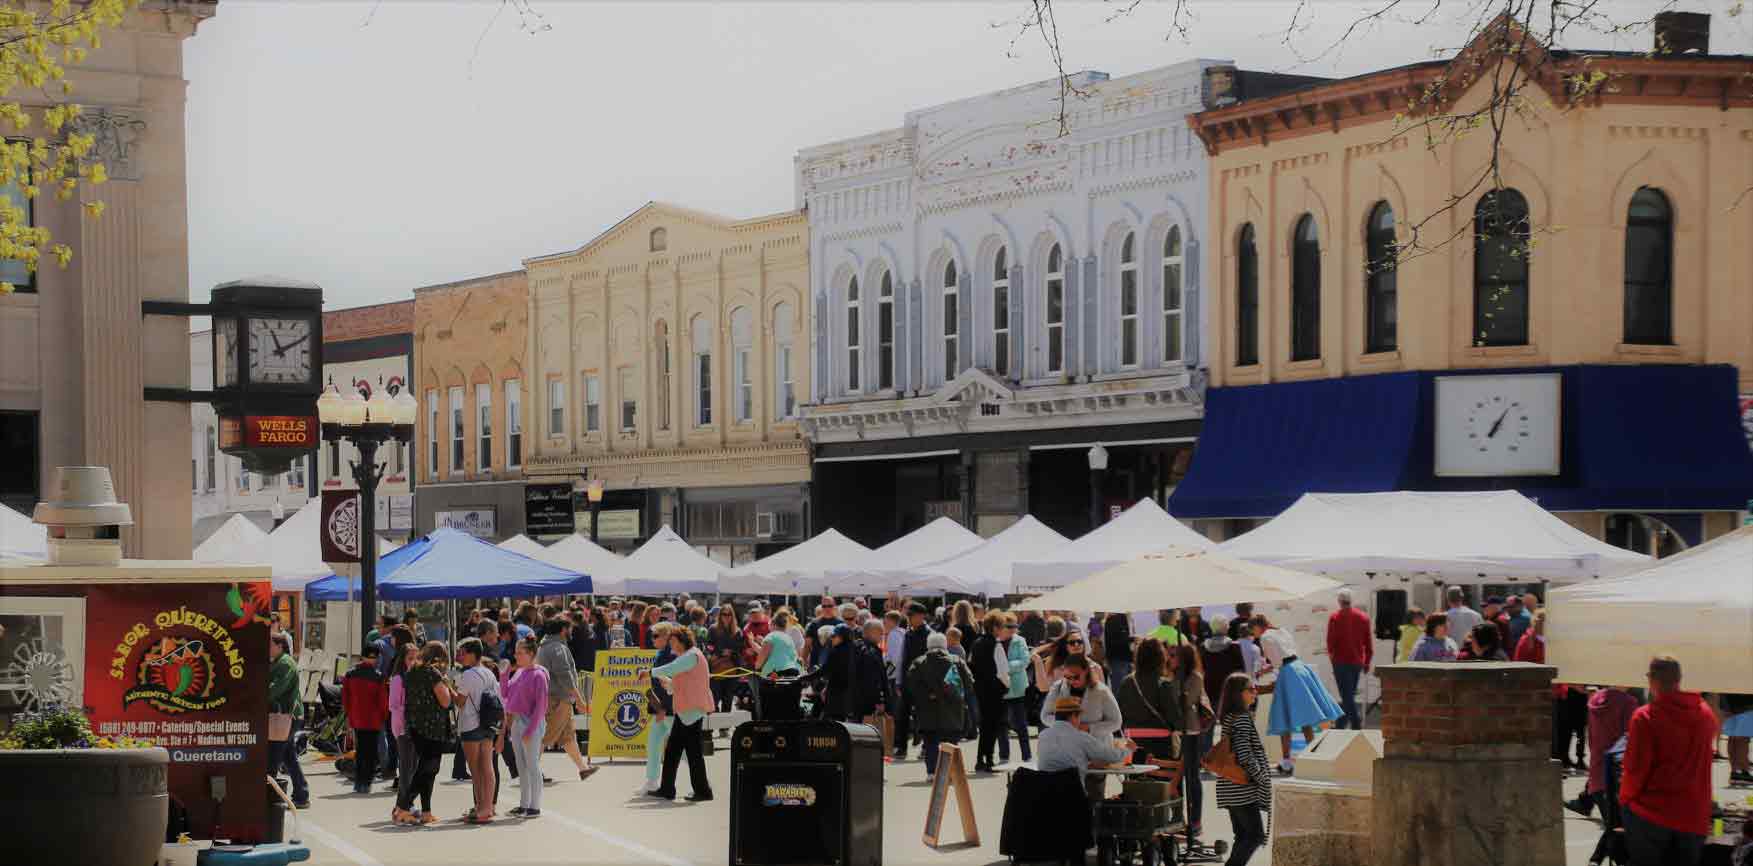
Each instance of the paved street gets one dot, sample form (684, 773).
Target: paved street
(601, 821)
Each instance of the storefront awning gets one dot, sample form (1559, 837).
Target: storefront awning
(1265, 445)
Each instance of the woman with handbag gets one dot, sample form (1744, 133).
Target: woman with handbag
(284, 710)
(1150, 709)
(1244, 783)
(427, 697)
(1195, 721)
(478, 725)
(724, 645)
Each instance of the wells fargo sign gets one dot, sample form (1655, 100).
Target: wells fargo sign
(279, 431)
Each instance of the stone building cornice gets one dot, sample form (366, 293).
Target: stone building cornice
(753, 463)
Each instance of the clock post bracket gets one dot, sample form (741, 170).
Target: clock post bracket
(182, 310)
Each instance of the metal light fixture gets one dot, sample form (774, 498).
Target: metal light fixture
(593, 492)
(367, 424)
(1098, 458)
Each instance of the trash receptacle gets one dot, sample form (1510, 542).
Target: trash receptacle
(806, 793)
(276, 816)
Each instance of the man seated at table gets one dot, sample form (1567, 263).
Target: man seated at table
(1067, 744)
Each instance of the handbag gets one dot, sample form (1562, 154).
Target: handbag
(491, 712)
(279, 727)
(1221, 761)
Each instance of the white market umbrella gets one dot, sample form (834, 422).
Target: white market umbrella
(237, 540)
(887, 567)
(1143, 528)
(22, 538)
(1696, 606)
(799, 568)
(523, 544)
(986, 569)
(580, 554)
(1453, 537)
(666, 564)
(1178, 578)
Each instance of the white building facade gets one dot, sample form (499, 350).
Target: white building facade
(995, 297)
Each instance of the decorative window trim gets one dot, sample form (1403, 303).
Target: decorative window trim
(1130, 334)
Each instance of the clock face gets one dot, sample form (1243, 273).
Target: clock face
(1498, 425)
(224, 353)
(280, 351)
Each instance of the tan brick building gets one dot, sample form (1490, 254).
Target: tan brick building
(469, 342)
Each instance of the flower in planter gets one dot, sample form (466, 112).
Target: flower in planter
(60, 728)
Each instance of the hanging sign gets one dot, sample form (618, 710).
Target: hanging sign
(618, 717)
(547, 510)
(279, 431)
(340, 526)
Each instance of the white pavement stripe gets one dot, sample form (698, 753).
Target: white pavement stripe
(342, 846)
(612, 839)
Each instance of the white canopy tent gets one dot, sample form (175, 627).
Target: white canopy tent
(238, 539)
(1467, 537)
(21, 538)
(577, 553)
(885, 569)
(294, 549)
(523, 544)
(665, 565)
(801, 568)
(1143, 528)
(1696, 606)
(1179, 577)
(986, 569)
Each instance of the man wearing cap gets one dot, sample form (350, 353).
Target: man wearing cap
(1067, 745)
(912, 648)
(1494, 614)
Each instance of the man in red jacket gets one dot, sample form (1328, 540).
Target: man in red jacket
(1350, 646)
(1666, 782)
(366, 697)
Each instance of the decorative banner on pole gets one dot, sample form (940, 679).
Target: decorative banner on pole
(617, 703)
(340, 526)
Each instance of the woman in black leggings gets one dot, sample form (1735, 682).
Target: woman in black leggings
(427, 696)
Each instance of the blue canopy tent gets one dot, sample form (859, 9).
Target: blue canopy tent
(448, 564)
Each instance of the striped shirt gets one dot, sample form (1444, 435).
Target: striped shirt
(1244, 739)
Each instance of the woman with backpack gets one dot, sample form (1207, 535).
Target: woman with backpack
(478, 723)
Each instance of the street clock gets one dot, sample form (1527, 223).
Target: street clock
(267, 370)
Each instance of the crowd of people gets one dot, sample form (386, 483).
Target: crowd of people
(1113, 688)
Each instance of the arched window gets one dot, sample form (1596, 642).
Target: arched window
(1649, 269)
(854, 309)
(886, 332)
(1247, 298)
(1055, 311)
(660, 240)
(1381, 317)
(742, 359)
(661, 341)
(784, 386)
(952, 336)
(1128, 303)
(1305, 290)
(1500, 269)
(700, 332)
(1172, 262)
(1000, 314)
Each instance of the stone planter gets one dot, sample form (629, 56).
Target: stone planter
(84, 805)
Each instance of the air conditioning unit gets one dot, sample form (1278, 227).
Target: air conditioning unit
(764, 522)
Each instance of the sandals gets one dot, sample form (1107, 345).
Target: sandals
(472, 818)
(402, 817)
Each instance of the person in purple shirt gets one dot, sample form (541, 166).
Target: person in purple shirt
(526, 704)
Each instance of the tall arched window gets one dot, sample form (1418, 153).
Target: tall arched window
(1128, 302)
(660, 240)
(854, 309)
(952, 336)
(1172, 262)
(1649, 269)
(1500, 269)
(886, 332)
(784, 386)
(1305, 290)
(700, 330)
(742, 363)
(1055, 309)
(661, 339)
(1000, 314)
(1247, 298)
(1381, 316)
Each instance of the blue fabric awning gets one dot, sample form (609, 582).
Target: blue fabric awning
(1262, 446)
(1635, 438)
(451, 564)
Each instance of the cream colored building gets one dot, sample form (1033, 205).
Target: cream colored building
(1631, 301)
(75, 352)
(669, 356)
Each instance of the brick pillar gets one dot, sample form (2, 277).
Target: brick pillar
(1465, 778)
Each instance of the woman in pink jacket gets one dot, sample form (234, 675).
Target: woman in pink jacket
(690, 683)
(526, 708)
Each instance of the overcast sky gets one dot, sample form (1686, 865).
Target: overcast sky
(375, 148)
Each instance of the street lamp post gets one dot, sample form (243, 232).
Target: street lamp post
(1098, 457)
(593, 491)
(367, 424)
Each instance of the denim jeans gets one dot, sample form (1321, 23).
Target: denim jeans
(1651, 844)
(1016, 717)
(526, 742)
(281, 756)
(1193, 746)
(928, 743)
(1347, 676)
(1250, 834)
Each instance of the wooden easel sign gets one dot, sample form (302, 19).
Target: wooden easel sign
(950, 771)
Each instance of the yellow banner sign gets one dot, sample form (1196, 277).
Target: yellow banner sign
(618, 717)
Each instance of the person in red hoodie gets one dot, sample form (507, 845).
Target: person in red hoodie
(366, 698)
(1350, 646)
(1666, 785)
